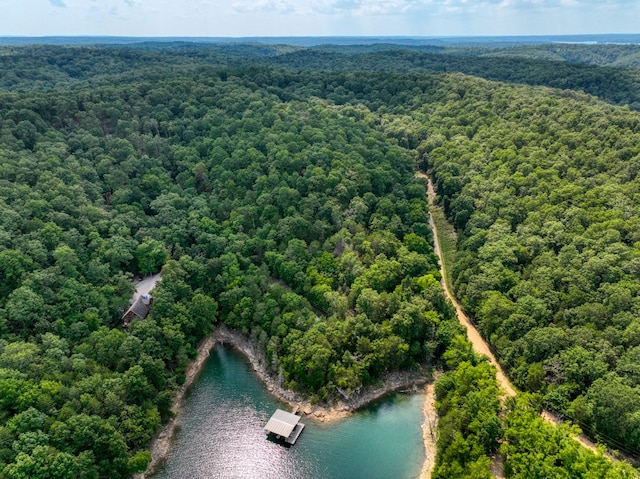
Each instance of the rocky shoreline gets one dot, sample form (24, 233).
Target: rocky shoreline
(429, 431)
(408, 381)
(161, 442)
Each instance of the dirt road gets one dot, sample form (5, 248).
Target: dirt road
(473, 334)
(479, 345)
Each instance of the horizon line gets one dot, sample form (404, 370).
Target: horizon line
(325, 36)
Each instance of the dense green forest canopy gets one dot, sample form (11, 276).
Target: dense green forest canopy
(278, 195)
(606, 71)
(544, 194)
(298, 222)
(615, 55)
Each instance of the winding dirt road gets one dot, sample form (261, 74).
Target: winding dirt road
(479, 345)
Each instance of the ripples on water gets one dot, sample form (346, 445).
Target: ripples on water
(221, 434)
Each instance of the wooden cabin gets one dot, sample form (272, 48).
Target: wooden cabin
(140, 308)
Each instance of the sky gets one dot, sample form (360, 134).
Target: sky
(238, 18)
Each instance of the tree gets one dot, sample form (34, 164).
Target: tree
(150, 256)
(91, 434)
(48, 463)
(13, 265)
(67, 260)
(24, 309)
(203, 312)
(138, 463)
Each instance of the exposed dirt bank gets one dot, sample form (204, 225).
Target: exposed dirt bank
(409, 381)
(429, 431)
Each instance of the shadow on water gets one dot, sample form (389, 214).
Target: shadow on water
(271, 438)
(221, 433)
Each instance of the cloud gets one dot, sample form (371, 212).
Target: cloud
(274, 6)
(413, 8)
(364, 7)
(398, 7)
(58, 3)
(327, 7)
(556, 4)
(436, 7)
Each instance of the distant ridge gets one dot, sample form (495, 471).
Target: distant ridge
(487, 41)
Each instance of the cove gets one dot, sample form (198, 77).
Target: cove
(220, 433)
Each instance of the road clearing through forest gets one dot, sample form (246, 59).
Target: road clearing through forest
(479, 344)
(473, 334)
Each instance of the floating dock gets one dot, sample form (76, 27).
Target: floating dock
(285, 425)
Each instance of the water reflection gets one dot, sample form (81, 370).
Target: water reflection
(222, 436)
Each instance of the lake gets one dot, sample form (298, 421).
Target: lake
(220, 433)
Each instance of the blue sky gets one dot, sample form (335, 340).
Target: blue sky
(317, 17)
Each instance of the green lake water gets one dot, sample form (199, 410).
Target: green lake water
(221, 434)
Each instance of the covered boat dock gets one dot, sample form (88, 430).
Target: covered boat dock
(285, 425)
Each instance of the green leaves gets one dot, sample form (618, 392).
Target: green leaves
(48, 463)
(540, 193)
(469, 427)
(138, 463)
(150, 256)
(284, 204)
(535, 448)
(24, 309)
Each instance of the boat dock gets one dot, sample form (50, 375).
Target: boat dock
(285, 425)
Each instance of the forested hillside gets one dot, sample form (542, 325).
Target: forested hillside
(615, 55)
(283, 202)
(607, 71)
(544, 194)
(297, 222)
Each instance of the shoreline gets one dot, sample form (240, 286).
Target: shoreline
(429, 431)
(161, 442)
(411, 381)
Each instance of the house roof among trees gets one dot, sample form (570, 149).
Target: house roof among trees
(140, 307)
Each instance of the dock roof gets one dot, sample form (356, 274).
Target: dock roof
(282, 423)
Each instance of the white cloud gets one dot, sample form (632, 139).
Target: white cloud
(364, 7)
(406, 7)
(276, 6)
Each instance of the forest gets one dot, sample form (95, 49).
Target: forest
(608, 71)
(275, 189)
(547, 216)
